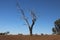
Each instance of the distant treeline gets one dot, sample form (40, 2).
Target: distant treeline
(5, 33)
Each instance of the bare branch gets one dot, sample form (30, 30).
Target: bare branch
(33, 18)
(23, 15)
(33, 15)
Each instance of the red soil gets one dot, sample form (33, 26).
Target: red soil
(24, 37)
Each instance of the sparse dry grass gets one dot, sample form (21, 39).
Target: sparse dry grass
(25, 37)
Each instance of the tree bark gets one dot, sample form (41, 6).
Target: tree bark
(30, 30)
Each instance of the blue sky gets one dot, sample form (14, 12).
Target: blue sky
(10, 19)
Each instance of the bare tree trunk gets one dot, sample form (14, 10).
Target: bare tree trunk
(30, 30)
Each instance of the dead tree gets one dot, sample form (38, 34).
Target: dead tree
(33, 16)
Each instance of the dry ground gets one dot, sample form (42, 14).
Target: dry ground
(25, 37)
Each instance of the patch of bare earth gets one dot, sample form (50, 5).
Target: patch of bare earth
(25, 37)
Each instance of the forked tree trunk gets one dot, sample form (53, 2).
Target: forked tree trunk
(30, 30)
(24, 17)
